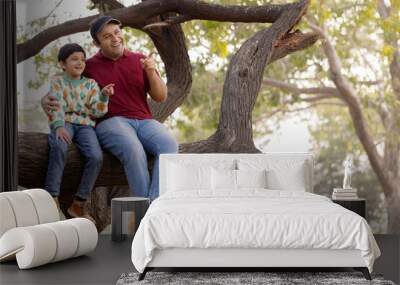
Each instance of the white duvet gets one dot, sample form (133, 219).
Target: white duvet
(252, 218)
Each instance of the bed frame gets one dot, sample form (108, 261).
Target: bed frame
(245, 259)
(250, 258)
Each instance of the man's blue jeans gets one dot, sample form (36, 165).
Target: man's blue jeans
(129, 140)
(85, 139)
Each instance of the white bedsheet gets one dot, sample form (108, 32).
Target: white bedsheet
(251, 218)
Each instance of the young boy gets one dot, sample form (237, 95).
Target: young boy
(81, 102)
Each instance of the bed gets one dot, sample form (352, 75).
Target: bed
(246, 211)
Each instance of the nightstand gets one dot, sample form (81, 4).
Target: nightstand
(358, 206)
(119, 205)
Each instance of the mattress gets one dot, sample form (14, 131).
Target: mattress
(250, 218)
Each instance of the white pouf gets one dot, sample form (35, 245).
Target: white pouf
(31, 233)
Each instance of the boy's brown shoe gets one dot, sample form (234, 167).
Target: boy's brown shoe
(78, 209)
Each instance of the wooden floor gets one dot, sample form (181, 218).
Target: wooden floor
(110, 260)
(102, 266)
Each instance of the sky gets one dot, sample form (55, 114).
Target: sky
(292, 136)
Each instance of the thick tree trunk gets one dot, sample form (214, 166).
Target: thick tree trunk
(243, 81)
(170, 43)
(32, 168)
(391, 156)
(33, 160)
(391, 166)
(392, 204)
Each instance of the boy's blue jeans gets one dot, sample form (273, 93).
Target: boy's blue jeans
(129, 140)
(85, 139)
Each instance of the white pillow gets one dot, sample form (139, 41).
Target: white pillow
(183, 177)
(282, 174)
(226, 179)
(292, 180)
(223, 179)
(251, 178)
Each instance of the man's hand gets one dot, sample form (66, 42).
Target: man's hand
(108, 90)
(158, 90)
(148, 63)
(49, 104)
(62, 134)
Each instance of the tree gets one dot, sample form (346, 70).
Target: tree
(365, 35)
(332, 149)
(373, 104)
(160, 19)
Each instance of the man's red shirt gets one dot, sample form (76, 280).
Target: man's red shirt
(131, 83)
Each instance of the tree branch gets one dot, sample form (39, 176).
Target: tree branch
(348, 95)
(329, 92)
(395, 73)
(369, 82)
(113, 4)
(51, 12)
(272, 113)
(391, 155)
(137, 15)
(170, 43)
(292, 42)
(228, 13)
(170, 21)
(323, 93)
(383, 10)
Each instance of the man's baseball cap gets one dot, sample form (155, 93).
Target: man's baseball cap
(98, 24)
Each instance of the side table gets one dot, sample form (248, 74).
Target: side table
(358, 206)
(138, 205)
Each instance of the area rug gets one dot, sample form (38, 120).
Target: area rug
(243, 278)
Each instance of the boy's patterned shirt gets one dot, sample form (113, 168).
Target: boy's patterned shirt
(81, 101)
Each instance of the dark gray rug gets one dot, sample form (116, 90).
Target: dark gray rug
(243, 278)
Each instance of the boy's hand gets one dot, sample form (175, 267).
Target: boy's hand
(108, 90)
(148, 63)
(49, 104)
(62, 134)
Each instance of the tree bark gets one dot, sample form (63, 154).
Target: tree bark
(32, 168)
(170, 43)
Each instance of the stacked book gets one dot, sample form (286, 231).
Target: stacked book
(344, 194)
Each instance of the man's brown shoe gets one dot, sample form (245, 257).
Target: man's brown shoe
(78, 209)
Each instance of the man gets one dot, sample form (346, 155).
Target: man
(128, 131)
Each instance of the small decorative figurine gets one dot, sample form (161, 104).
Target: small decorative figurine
(348, 166)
